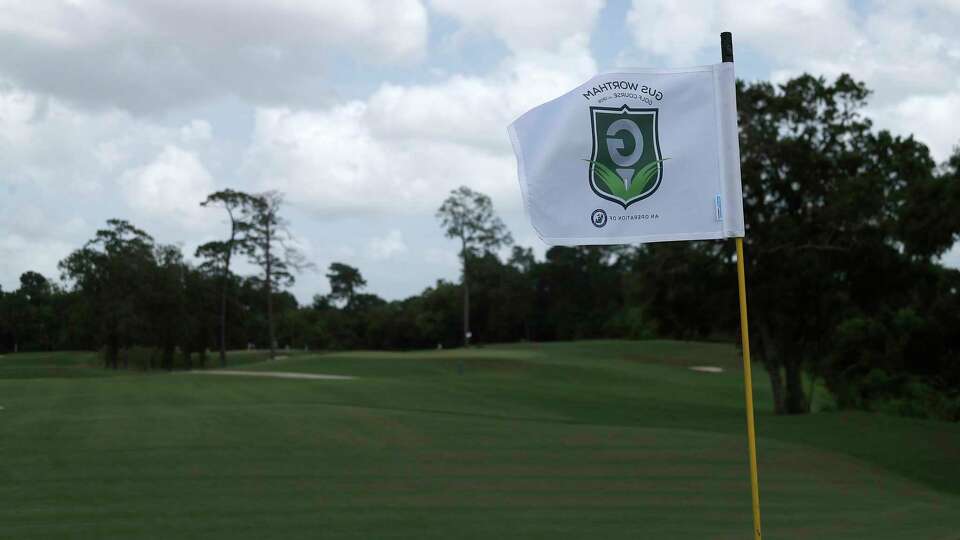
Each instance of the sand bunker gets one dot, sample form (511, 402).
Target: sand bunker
(276, 374)
(707, 369)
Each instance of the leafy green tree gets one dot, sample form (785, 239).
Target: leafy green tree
(578, 289)
(824, 194)
(345, 282)
(678, 289)
(4, 321)
(34, 286)
(201, 313)
(436, 316)
(108, 272)
(219, 254)
(35, 318)
(164, 304)
(7, 338)
(468, 216)
(12, 322)
(269, 247)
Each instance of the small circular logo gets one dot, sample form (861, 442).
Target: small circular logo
(598, 218)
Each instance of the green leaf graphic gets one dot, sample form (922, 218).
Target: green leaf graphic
(609, 178)
(643, 179)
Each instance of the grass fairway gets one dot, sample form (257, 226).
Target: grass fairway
(567, 440)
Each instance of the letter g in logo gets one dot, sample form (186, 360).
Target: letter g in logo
(617, 135)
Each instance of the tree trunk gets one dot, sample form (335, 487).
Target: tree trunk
(813, 390)
(772, 367)
(273, 338)
(796, 400)
(268, 272)
(113, 349)
(223, 290)
(223, 306)
(776, 385)
(466, 312)
(466, 302)
(168, 353)
(466, 295)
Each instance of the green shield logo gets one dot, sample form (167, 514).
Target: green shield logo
(626, 165)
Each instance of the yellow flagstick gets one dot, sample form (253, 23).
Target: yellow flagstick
(748, 389)
(726, 54)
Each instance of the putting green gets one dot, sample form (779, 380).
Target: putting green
(570, 440)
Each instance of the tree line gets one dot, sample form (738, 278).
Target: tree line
(845, 228)
(122, 289)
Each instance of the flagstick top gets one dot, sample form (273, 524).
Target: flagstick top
(726, 47)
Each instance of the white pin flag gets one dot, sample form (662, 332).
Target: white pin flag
(634, 156)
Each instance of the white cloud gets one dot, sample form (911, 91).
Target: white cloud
(59, 165)
(476, 110)
(19, 254)
(908, 53)
(171, 186)
(447, 258)
(405, 147)
(49, 145)
(55, 162)
(926, 115)
(332, 162)
(667, 29)
(530, 24)
(386, 246)
(153, 55)
(30, 220)
(196, 131)
(678, 31)
(33, 239)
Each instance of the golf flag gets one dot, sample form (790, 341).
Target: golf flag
(634, 156)
(642, 155)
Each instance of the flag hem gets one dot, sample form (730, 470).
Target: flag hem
(522, 175)
(659, 71)
(644, 239)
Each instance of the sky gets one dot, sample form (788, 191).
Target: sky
(366, 113)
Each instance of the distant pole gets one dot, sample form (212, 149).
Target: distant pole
(726, 54)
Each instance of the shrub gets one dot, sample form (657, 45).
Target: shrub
(141, 358)
(630, 323)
